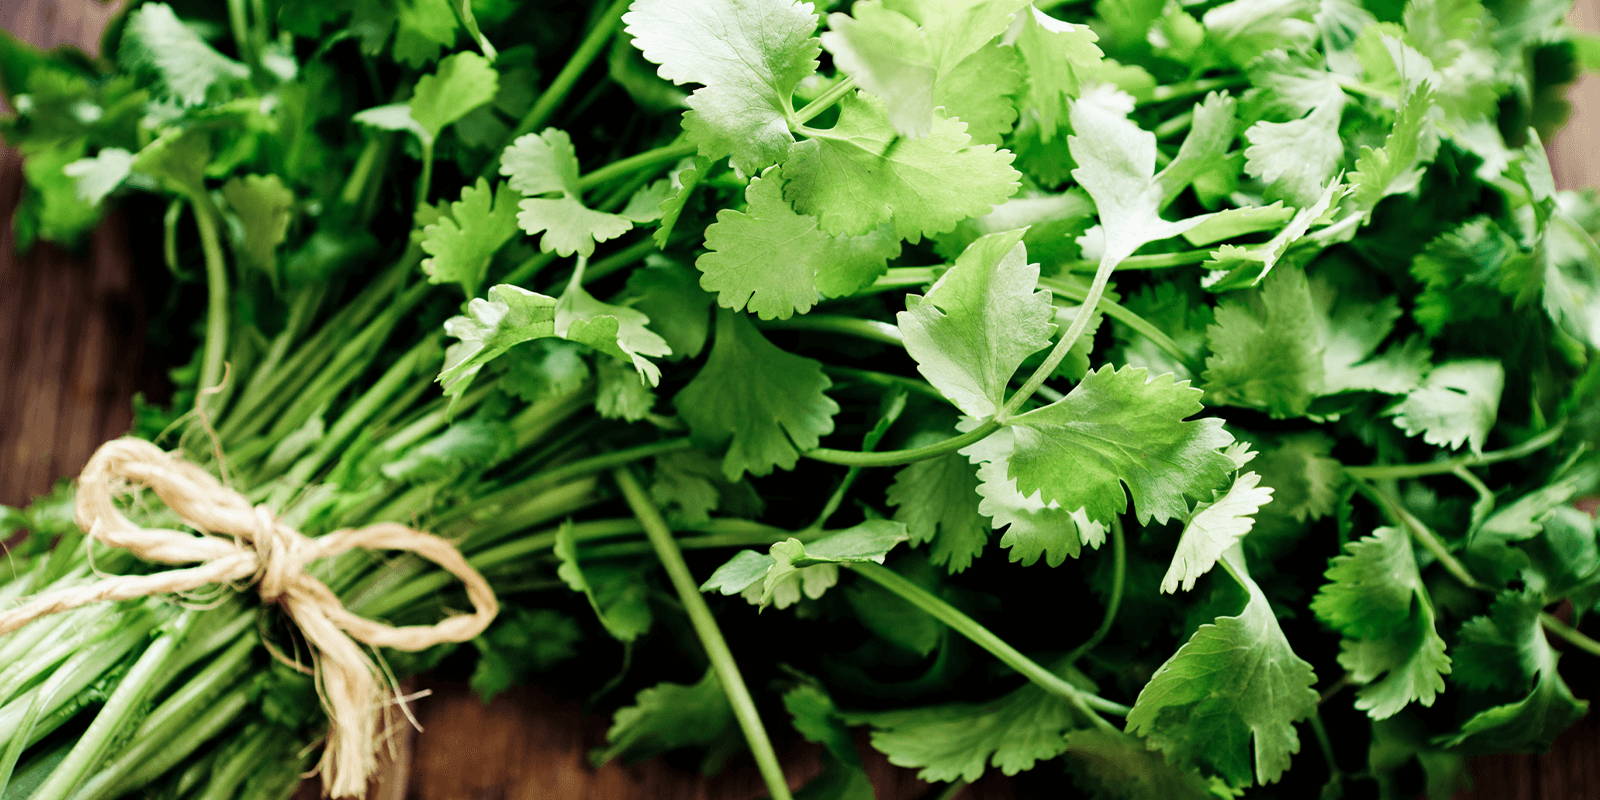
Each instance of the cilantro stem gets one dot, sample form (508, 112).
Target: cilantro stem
(705, 627)
(1178, 91)
(1421, 533)
(1084, 703)
(1140, 325)
(623, 167)
(869, 329)
(1064, 345)
(1325, 744)
(833, 94)
(885, 380)
(604, 26)
(1572, 635)
(216, 341)
(1181, 258)
(895, 458)
(1119, 574)
(1394, 471)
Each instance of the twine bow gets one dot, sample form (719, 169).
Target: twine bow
(240, 542)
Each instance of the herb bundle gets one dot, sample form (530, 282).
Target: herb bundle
(1115, 393)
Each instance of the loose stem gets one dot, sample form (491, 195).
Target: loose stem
(590, 47)
(1422, 534)
(1119, 573)
(627, 166)
(824, 101)
(1573, 636)
(1140, 325)
(1180, 258)
(1080, 323)
(705, 626)
(216, 342)
(1086, 704)
(895, 458)
(869, 329)
(1393, 471)
(1178, 91)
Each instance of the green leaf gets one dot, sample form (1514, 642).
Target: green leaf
(1375, 598)
(463, 82)
(1212, 131)
(1034, 527)
(937, 499)
(621, 393)
(1119, 767)
(617, 331)
(1116, 428)
(1244, 29)
(186, 68)
(669, 294)
(791, 568)
(1298, 157)
(463, 446)
(747, 55)
(667, 717)
(1302, 477)
(1234, 267)
(617, 594)
(520, 644)
(508, 317)
(101, 175)
(682, 181)
(765, 404)
(263, 207)
(1396, 167)
(978, 322)
(1456, 404)
(546, 164)
(461, 243)
(740, 269)
(1061, 57)
(1213, 529)
(544, 369)
(1228, 700)
(853, 180)
(959, 741)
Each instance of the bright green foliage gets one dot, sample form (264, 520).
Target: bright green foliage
(747, 55)
(263, 206)
(1213, 529)
(618, 331)
(521, 644)
(99, 176)
(978, 322)
(1376, 599)
(1116, 428)
(185, 67)
(937, 500)
(539, 165)
(667, 717)
(462, 82)
(1227, 701)
(508, 317)
(1033, 526)
(1119, 767)
(1302, 477)
(461, 242)
(1060, 56)
(775, 263)
(1395, 167)
(616, 594)
(1296, 158)
(960, 741)
(853, 181)
(791, 568)
(764, 403)
(1455, 405)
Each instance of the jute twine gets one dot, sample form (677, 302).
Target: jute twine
(244, 543)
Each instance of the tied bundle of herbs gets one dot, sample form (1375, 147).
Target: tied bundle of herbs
(1115, 393)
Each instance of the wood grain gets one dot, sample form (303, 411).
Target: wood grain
(72, 331)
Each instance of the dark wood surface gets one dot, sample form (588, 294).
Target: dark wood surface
(72, 330)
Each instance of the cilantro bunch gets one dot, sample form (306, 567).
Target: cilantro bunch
(1115, 393)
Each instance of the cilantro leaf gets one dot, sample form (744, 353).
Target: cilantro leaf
(1301, 475)
(520, 643)
(739, 265)
(747, 55)
(766, 404)
(97, 177)
(792, 568)
(937, 500)
(263, 206)
(617, 331)
(545, 164)
(186, 68)
(669, 716)
(1033, 526)
(461, 243)
(1228, 699)
(668, 293)
(852, 180)
(463, 81)
(1121, 428)
(1456, 404)
(508, 317)
(978, 322)
(1298, 157)
(959, 741)
(1120, 767)
(1396, 166)
(1061, 57)
(1213, 529)
(616, 594)
(1376, 599)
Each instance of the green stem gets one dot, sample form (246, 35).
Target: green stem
(869, 329)
(1086, 704)
(1119, 574)
(895, 458)
(624, 167)
(824, 101)
(705, 626)
(1178, 91)
(1120, 313)
(1325, 744)
(590, 47)
(1421, 533)
(1573, 636)
(1180, 258)
(425, 180)
(216, 341)
(1080, 324)
(1395, 471)
(885, 380)
(355, 186)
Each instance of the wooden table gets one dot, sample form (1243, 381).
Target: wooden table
(72, 330)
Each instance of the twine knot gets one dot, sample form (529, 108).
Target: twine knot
(238, 542)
